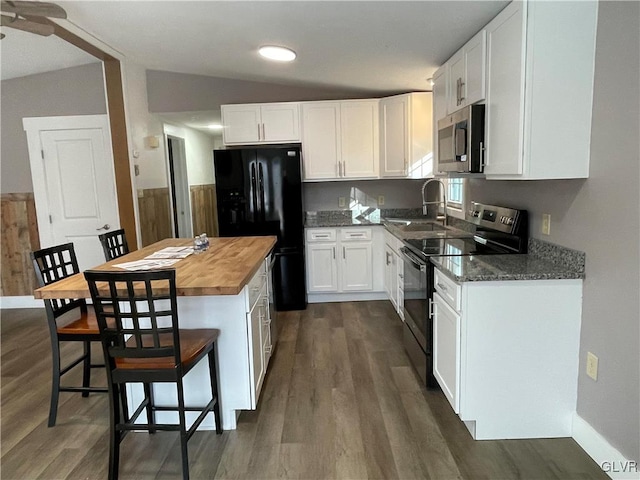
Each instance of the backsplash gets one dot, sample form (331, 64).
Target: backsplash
(567, 257)
(400, 193)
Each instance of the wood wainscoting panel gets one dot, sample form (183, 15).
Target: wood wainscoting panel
(155, 215)
(19, 238)
(204, 213)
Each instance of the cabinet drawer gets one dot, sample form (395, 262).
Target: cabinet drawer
(448, 289)
(256, 286)
(321, 235)
(355, 234)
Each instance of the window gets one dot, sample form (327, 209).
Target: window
(455, 197)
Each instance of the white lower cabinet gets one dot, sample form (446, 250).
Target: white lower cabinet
(446, 349)
(342, 260)
(258, 324)
(506, 354)
(394, 273)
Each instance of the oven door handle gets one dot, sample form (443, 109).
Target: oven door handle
(417, 263)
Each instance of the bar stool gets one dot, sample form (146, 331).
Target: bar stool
(114, 244)
(69, 320)
(142, 343)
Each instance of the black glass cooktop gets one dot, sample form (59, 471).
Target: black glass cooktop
(451, 246)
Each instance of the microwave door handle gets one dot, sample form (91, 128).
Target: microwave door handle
(460, 142)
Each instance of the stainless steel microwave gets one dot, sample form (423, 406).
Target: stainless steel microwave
(461, 141)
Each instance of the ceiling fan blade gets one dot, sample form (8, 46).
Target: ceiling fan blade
(39, 9)
(26, 25)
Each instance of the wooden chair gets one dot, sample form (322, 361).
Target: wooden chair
(69, 320)
(142, 343)
(114, 244)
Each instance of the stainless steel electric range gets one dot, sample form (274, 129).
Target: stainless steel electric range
(499, 230)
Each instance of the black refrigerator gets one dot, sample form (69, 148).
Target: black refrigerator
(259, 192)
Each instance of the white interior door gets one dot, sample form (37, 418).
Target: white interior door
(74, 182)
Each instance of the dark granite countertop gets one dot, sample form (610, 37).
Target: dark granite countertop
(484, 268)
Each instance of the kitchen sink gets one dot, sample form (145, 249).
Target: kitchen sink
(422, 227)
(415, 225)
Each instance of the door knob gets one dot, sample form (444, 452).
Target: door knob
(106, 226)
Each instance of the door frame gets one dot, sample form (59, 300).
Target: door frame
(33, 126)
(182, 171)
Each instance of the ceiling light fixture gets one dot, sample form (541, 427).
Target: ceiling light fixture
(279, 54)
(214, 126)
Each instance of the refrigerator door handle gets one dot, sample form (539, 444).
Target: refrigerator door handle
(261, 191)
(254, 193)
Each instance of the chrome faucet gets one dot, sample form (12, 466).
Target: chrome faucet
(425, 204)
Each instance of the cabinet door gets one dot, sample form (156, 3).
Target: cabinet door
(440, 100)
(256, 355)
(456, 80)
(321, 140)
(390, 275)
(505, 92)
(475, 61)
(242, 124)
(280, 122)
(359, 138)
(446, 350)
(356, 264)
(395, 133)
(322, 268)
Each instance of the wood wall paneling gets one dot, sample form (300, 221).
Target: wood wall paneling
(155, 215)
(19, 237)
(204, 213)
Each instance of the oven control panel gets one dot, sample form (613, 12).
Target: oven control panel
(496, 218)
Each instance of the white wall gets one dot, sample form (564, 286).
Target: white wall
(71, 91)
(141, 124)
(199, 149)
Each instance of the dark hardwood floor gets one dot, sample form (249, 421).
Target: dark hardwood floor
(340, 401)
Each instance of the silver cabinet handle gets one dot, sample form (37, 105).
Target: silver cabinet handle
(106, 226)
(388, 255)
(259, 132)
(431, 304)
(442, 287)
(483, 160)
(344, 169)
(462, 85)
(264, 136)
(334, 253)
(344, 252)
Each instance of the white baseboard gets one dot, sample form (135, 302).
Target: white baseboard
(346, 297)
(610, 460)
(21, 302)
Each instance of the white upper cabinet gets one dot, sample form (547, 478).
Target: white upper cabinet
(340, 139)
(406, 134)
(440, 99)
(466, 72)
(321, 151)
(540, 68)
(261, 123)
(359, 132)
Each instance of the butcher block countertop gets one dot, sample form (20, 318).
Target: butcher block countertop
(224, 269)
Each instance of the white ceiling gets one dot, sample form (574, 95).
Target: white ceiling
(23, 53)
(375, 46)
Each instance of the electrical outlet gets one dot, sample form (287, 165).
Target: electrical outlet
(380, 200)
(342, 202)
(592, 365)
(546, 224)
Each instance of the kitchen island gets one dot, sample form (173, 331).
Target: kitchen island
(225, 287)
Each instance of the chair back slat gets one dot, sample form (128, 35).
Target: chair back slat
(52, 265)
(137, 313)
(114, 244)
